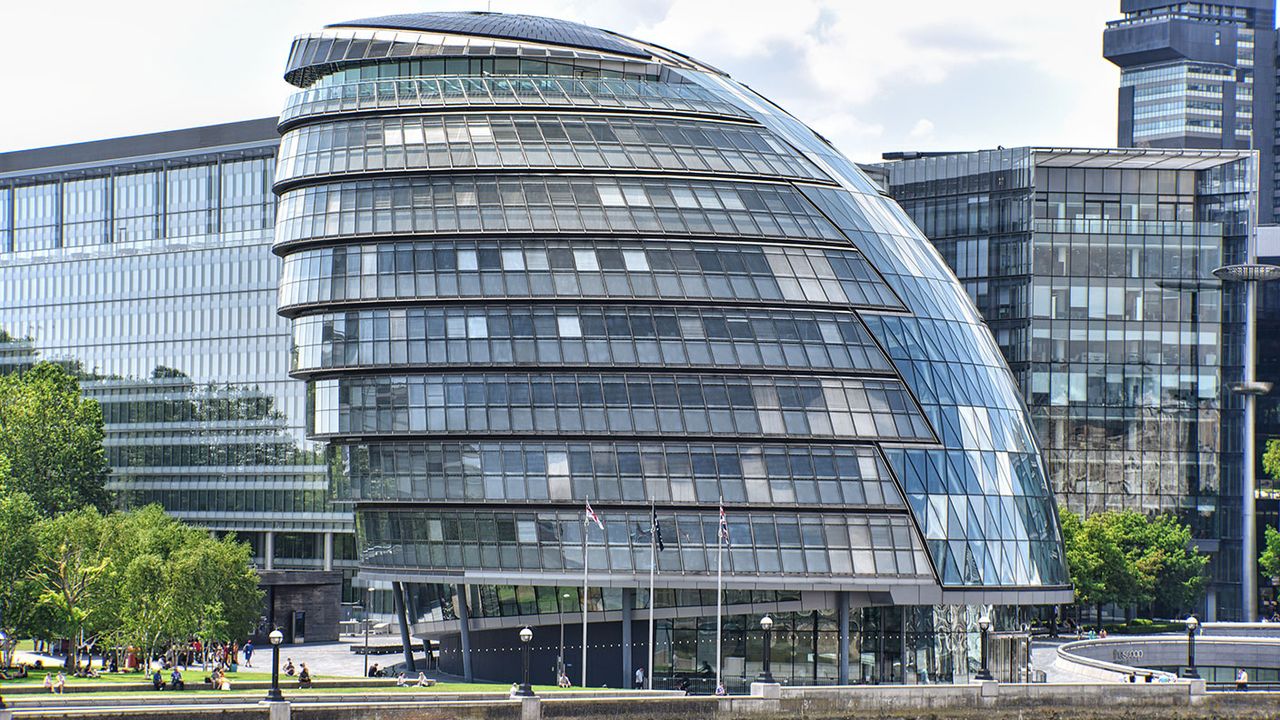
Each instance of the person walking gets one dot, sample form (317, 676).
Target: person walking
(1242, 680)
(248, 653)
(639, 678)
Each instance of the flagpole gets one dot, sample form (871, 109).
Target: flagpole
(719, 589)
(653, 566)
(585, 520)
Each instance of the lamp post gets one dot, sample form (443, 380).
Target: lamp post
(766, 624)
(1192, 625)
(560, 670)
(984, 673)
(276, 637)
(1250, 273)
(368, 604)
(525, 636)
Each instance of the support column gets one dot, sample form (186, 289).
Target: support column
(628, 607)
(464, 624)
(269, 550)
(842, 615)
(328, 551)
(397, 596)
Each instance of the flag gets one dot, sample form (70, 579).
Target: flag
(591, 515)
(657, 530)
(724, 526)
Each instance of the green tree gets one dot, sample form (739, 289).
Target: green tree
(18, 545)
(51, 437)
(1168, 566)
(1271, 459)
(71, 574)
(1269, 561)
(1099, 569)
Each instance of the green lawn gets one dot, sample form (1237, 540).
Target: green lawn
(292, 687)
(194, 675)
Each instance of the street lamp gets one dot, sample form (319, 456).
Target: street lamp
(560, 670)
(984, 624)
(525, 636)
(1192, 625)
(1251, 274)
(766, 624)
(368, 604)
(276, 637)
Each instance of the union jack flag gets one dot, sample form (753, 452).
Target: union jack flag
(724, 526)
(591, 515)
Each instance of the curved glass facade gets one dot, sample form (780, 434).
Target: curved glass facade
(649, 285)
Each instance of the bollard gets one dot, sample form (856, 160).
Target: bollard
(277, 710)
(530, 708)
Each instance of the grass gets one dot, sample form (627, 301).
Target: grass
(292, 688)
(193, 675)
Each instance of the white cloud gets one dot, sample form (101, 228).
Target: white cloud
(922, 130)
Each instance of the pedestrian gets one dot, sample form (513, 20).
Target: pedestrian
(304, 677)
(721, 691)
(48, 682)
(374, 671)
(175, 680)
(61, 683)
(248, 653)
(157, 680)
(640, 678)
(1242, 680)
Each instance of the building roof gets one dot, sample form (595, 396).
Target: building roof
(506, 26)
(261, 131)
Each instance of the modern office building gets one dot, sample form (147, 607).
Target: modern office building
(531, 264)
(1199, 75)
(1094, 270)
(145, 265)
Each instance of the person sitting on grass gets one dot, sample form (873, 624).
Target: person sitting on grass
(563, 681)
(288, 667)
(401, 680)
(422, 680)
(175, 680)
(304, 677)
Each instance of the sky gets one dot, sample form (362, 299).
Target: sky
(870, 75)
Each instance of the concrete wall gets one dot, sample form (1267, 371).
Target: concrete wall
(1120, 654)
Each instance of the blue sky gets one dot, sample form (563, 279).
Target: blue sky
(871, 76)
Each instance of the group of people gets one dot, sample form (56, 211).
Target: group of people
(403, 681)
(57, 685)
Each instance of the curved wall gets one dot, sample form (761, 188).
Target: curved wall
(527, 275)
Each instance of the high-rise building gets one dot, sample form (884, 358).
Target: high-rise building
(532, 265)
(1199, 75)
(1094, 270)
(144, 264)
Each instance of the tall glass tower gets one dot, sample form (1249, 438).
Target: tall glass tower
(531, 264)
(1198, 75)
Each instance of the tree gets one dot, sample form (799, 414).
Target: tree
(1271, 459)
(1170, 569)
(18, 518)
(71, 574)
(1100, 571)
(1269, 561)
(51, 438)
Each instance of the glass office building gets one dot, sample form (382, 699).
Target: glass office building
(144, 264)
(1199, 75)
(1094, 269)
(530, 264)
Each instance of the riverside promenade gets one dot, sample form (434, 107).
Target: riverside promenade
(985, 701)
